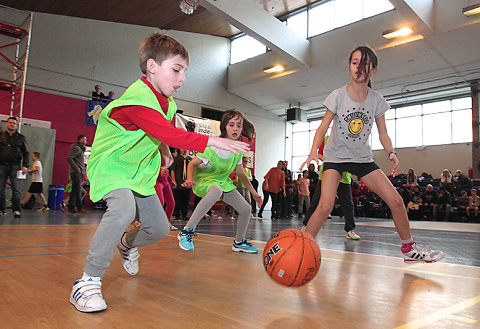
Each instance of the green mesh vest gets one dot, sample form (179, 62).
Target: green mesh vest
(217, 174)
(346, 176)
(122, 158)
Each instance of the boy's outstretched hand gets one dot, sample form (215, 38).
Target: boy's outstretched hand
(228, 144)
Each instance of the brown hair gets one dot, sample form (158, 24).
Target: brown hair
(247, 130)
(37, 154)
(159, 47)
(368, 57)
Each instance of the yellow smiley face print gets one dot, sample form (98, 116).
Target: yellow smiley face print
(355, 126)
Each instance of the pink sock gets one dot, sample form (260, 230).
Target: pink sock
(408, 241)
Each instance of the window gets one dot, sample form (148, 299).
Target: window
(245, 47)
(298, 23)
(313, 20)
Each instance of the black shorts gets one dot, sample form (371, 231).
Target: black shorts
(36, 187)
(355, 168)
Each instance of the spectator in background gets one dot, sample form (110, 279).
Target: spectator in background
(97, 95)
(411, 179)
(273, 185)
(76, 161)
(110, 96)
(288, 199)
(462, 203)
(446, 180)
(14, 157)
(414, 208)
(313, 177)
(429, 201)
(473, 204)
(443, 204)
(303, 193)
(255, 187)
(181, 194)
(37, 182)
(461, 182)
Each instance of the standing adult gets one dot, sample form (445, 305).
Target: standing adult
(273, 185)
(14, 157)
(181, 194)
(76, 160)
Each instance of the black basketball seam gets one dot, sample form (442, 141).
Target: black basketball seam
(301, 261)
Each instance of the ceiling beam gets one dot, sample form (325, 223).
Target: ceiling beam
(420, 13)
(253, 20)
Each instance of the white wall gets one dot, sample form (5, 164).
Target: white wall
(70, 55)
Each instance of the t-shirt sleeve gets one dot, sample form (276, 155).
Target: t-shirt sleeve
(331, 102)
(382, 106)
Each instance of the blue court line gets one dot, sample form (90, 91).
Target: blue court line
(86, 252)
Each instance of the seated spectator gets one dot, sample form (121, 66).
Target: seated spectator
(473, 204)
(446, 180)
(415, 209)
(443, 204)
(405, 194)
(97, 95)
(429, 200)
(462, 204)
(461, 183)
(417, 192)
(411, 179)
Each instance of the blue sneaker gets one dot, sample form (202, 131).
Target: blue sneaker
(185, 238)
(244, 246)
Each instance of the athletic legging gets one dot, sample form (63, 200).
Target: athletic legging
(233, 198)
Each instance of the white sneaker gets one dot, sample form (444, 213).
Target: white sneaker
(87, 296)
(351, 235)
(304, 228)
(417, 254)
(129, 258)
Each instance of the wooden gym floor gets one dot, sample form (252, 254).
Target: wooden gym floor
(361, 284)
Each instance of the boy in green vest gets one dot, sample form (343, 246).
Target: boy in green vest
(125, 162)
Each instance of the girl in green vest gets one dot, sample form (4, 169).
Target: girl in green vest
(208, 175)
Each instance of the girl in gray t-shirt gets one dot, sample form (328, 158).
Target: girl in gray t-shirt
(353, 108)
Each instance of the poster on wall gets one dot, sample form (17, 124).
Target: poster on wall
(94, 109)
(210, 128)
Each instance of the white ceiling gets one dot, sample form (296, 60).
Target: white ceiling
(448, 54)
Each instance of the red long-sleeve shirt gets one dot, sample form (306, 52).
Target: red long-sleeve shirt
(156, 125)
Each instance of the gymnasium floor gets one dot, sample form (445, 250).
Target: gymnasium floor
(361, 284)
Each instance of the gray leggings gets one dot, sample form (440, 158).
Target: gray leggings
(233, 198)
(122, 206)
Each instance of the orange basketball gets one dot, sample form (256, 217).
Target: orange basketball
(292, 257)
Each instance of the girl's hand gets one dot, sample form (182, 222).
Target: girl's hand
(188, 183)
(228, 144)
(310, 158)
(258, 199)
(394, 159)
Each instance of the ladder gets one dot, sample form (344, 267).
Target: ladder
(15, 52)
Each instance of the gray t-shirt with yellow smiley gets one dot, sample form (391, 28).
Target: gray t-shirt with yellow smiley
(352, 125)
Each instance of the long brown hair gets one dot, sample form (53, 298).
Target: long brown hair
(248, 129)
(368, 57)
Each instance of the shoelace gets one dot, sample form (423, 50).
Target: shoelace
(189, 235)
(244, 242)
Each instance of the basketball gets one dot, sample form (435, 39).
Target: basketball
(292, 257)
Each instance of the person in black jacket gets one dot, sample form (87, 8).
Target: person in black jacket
(76, 160)
(14, 157)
